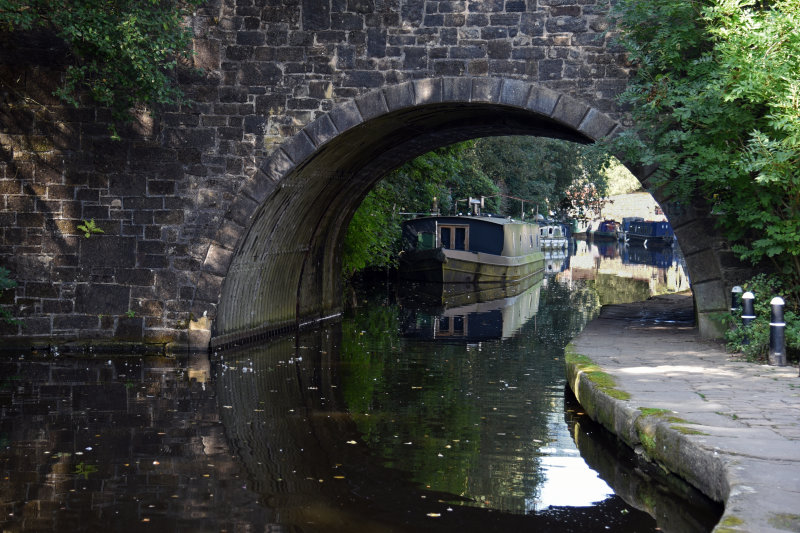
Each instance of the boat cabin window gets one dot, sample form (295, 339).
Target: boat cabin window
(426, 241)
(454, 237)
(451, 326)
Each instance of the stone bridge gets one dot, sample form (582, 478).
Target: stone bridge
(223, 219)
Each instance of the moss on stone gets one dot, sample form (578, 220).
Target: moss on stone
(580, 361)
(593, 372)
(675, 422)
(607, 384)
(727, 523)
(653, 411)
(648, 442)
(785, 521)
(687, 431)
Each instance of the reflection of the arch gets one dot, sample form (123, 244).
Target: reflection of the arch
(320, 468)
(682, 509)
(476, 316)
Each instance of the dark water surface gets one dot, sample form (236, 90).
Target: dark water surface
(409, 415)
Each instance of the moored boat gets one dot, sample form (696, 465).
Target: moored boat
(623, 228)
(604, 230)
(579, 227)
(650, 233)
(475, 249)
(552, 238)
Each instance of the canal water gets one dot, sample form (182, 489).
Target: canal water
(417, 412)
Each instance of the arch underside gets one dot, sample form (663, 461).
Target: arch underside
(285, 270)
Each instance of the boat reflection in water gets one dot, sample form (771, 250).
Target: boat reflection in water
(661, 256)
(626, 273)
(556, 261)
(464, 313)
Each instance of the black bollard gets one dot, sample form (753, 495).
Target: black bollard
(748, 308)
(748, 312)
(777, 333)
(736, 299)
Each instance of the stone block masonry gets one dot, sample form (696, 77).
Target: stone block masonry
(279, 82)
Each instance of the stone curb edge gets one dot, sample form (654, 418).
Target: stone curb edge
(656, 437)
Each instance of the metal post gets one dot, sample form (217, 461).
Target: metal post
(748, 308)
(777, 333)
(736, 299)
(748, 312)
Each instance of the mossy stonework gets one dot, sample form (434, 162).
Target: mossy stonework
(727, 427)
(650, 429)
(234, 208)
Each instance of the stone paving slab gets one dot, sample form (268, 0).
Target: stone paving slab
(730, 428)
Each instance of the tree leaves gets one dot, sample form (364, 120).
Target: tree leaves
(124, 52)
(716, 104)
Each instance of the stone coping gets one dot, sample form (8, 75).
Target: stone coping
(729, 428)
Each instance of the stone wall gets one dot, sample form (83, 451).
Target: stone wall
(177, 190)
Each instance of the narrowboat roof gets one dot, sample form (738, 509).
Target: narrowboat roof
(491, 219)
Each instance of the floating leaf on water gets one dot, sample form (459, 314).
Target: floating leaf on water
(434, 515)
(351, 442)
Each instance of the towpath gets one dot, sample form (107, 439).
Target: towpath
(730, 428)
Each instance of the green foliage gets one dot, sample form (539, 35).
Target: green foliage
(753, 341)
(538, 170)
(89, 228)
(447, 174)
(715, 102)
(541, 170)
(124, 52)
(6, 283)
(82, 469)
(620, 180)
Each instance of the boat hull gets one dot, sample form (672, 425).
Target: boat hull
(649, 240)
(553, 244)
(457, 266)
(650, 233)
(604, 235)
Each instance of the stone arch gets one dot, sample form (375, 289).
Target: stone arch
(274, 263)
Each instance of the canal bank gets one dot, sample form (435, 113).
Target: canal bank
(731, 429)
